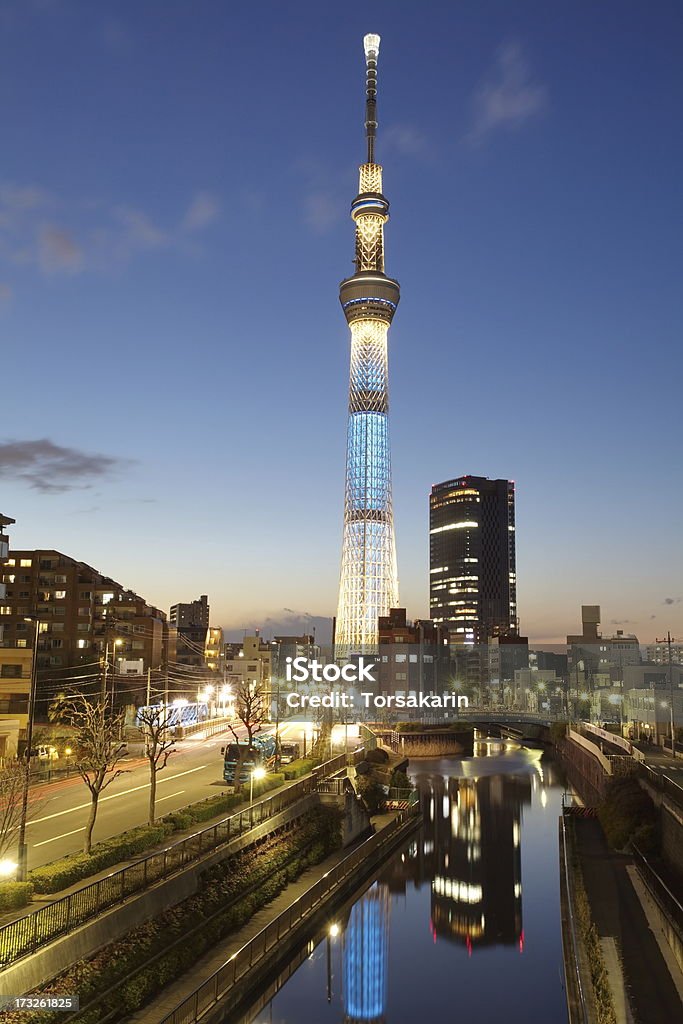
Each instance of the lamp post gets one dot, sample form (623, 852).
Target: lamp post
(256, 773)
(23, 849)
(668, 640)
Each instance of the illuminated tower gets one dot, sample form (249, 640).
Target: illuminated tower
(368, 586)
(366, 958)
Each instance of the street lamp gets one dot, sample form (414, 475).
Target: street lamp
(256, 773)
(23, 849)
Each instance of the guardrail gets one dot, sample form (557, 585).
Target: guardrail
(27, 934)
(576, 974)
(662, 783)
(660, 892)
(219, 984)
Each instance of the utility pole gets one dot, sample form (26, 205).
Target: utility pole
(668, 640)
(23, 849)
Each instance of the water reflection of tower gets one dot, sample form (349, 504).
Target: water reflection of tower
(366, 957)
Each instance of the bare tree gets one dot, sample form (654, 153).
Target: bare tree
(159, 745)
(251, 709)
(97, 748)
(12, 777)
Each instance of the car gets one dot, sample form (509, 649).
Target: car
(289, 752)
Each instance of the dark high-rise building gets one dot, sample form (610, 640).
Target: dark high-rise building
(472, 569)
(191, 613)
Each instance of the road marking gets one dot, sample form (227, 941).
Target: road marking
(170, 795)
(63, 836)
(114, 796)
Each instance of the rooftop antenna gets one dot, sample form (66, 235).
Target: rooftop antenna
(371, 47)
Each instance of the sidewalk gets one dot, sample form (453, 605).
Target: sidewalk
(618, 914)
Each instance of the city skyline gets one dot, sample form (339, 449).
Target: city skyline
(135, 239)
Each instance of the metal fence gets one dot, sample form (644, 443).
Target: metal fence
(27, 934)
(240, 963)
(660, 892)
(662, 783)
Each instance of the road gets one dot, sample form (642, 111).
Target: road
(59, 811)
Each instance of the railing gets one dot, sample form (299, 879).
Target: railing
(660, 892)
(568, 878)
(240, 963)
(662, 783)
(27, 934)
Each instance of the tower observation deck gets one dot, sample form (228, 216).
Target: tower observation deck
(368, 585)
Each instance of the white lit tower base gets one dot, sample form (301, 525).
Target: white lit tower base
(369, 582)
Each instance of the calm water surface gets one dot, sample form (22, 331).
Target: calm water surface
(462, 923)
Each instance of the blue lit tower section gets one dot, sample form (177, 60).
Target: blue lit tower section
(369, 583)
(366, 958)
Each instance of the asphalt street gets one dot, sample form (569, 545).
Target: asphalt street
(59, 811)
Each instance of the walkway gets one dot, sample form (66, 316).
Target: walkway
(618, 913)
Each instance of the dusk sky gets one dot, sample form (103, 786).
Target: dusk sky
(175, 180)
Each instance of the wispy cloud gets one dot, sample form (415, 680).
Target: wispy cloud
(508, 98)
(321, 211)
(57, 236)
(407, 140)
(52, 468)
(202, 211)
(58, 251)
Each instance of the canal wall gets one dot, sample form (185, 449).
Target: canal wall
(433, 743)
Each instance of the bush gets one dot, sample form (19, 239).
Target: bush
(626, 811)
(14, 895)
(75, 867)
(302, 766)
(377, 756)
(372, 794)
(399, 780)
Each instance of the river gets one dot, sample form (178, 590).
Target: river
(463, 923)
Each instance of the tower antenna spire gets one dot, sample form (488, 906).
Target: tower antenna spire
(371, 47)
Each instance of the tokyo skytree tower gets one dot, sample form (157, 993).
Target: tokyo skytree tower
(369, 583)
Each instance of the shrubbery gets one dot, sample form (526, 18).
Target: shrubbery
(302, 766)
(598, 971)
(377, 756)
(439, 727)
(69, 870)
(626, 813)
(372, 793)
(14, 895)
(240, 885)
(399, 780)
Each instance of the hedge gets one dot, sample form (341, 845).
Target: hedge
(302, 766)
(231, 893)
(75, 867)
(61, 874)
(14, 895)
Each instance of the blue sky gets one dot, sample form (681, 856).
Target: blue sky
(174, 189)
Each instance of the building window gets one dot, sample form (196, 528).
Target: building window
(25, 563)
(11, 562)
(85, 595)
(21, 643)
(82, 644)
(400, 658)
(401, 676)
(60, 595)
(5, 609)
(83, 627)
(11, 672)
(55, 660)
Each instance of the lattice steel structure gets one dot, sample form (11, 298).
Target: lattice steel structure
(369, 582)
